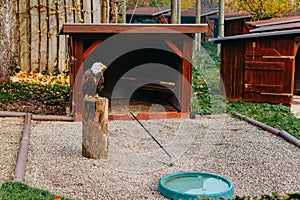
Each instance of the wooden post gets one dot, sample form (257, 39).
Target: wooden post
(221, 23)
(174, 15)
(198, 21)
(178, 11)
(124, 11)
(95, 132)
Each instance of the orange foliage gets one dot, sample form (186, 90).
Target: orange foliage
(39, 78)
(185, 4)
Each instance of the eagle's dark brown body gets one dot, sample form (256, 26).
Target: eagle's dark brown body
(93, 80)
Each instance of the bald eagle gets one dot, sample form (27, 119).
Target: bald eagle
(93, 80)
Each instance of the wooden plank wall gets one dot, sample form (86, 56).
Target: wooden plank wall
(232, 66)
(37, 44)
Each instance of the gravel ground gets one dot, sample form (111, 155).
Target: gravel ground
(255, 161)
(10, 135)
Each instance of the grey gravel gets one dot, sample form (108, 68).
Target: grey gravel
(10, 134)
(254, 160)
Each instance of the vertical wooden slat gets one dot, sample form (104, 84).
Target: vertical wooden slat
(52, 36)
(34, 46)
(62, 50)
(105, 11)
(238, 71)
(69, 10)
(43, 35)
(78, 13)
(15, 31)
(24, 39)
(96, 11)
(87, 7)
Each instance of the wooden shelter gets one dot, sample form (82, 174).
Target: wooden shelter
(161, 48)
(263, 65)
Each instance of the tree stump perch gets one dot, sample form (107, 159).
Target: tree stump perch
(94, 128)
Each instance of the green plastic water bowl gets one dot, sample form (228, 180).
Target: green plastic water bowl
(195, 185)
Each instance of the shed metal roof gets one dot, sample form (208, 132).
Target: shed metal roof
(279, 27)
(274, 21)
(191, 12)
(256, 35)
(233, 16)
(149, 11)
(268, 28)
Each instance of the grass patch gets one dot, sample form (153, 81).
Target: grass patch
(274, 196)
(17, 190)
(206, 81)
(276, 116)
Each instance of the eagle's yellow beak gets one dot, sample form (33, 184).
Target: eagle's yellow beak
(104, 66)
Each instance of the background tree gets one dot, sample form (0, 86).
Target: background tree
(185, 4)
(148, 3)
(263, 9)
(5, 39)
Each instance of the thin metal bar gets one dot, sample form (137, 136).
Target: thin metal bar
(152, 137)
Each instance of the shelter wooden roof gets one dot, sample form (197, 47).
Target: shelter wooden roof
(80, 28)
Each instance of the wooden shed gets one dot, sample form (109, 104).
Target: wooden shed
(144, 61)
(263, 65)
(148, 15)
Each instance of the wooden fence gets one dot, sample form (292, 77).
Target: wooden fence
(37, 44)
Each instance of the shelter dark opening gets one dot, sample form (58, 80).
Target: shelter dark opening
(141, 78)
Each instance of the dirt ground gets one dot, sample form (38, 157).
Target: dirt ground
(34, 107)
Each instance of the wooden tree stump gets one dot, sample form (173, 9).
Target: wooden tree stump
(94, 128)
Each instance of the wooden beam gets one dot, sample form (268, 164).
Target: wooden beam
(174, 48)
(133, 28)
(91, 49)
(78, 73)
(148, 116)
(186, 71)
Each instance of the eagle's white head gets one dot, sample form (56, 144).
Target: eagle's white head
(98, 67)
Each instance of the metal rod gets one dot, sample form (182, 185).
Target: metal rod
(152, 137)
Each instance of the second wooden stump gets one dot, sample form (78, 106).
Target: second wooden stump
(94, 128)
